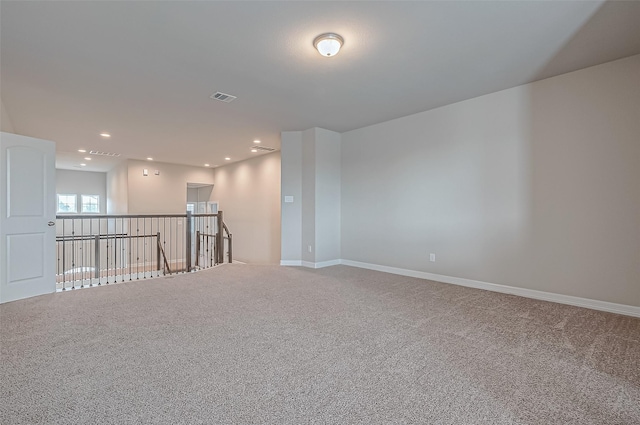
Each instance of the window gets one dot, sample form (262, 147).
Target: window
(90, 204)
(67, 204)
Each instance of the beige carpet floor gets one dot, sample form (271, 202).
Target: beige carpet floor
(246, 344)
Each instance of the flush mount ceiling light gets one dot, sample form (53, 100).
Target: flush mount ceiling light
(105, 135)
(328, 44)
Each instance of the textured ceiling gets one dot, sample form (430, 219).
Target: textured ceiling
(144, 71)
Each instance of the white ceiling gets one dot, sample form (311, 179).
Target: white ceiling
(144, 71)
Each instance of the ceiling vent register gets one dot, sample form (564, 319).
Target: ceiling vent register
(100, 153)
(223, 97)
(263, 148)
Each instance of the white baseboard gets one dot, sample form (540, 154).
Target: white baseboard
(310, 264)
(328, 263)
(238, 262)
(321, 264)
(290, 262)
(628, 310)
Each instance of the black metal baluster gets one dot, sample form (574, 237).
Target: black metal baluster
(137, 249)
(144, 248)
(130, 248)
(82, 242)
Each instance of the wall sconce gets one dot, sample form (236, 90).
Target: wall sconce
(145, 172)
(157, 173)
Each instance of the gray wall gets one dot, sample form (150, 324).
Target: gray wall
(311, 174)
(291, 212)
(118, 189)
(71, 182)
(308, 195)
(130, 192)
(248, 193)
(535, 187)
(199, 194)
(6, 124)
(327, 191)
(165, 193)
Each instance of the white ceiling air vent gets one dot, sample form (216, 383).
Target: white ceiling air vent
(263, 148)
(223, 97)
(104, 153)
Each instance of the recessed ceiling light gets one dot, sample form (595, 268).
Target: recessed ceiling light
(105, 135)
(227, 159)
(206, 165)
(328, 44)
(82, 150)
(83, 165)
(149, 159)
(254, 150)
(87, 158)
(256, 141)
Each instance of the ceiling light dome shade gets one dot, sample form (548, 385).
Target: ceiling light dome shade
(328, 44)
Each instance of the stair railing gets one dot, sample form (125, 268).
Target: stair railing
(102, 249)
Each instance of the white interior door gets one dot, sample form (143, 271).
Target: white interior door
(27, 217)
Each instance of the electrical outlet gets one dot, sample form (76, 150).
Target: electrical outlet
(432, 258)
(309, 248)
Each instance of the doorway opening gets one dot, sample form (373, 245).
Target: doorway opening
(199, 199)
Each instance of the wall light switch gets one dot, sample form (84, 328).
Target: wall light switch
(432, 258)
(288, 199)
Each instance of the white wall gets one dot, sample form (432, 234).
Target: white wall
(70, 182)
(118, 189)
(165, 193)
(6, 124)
(248, 193)
(535, 187)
